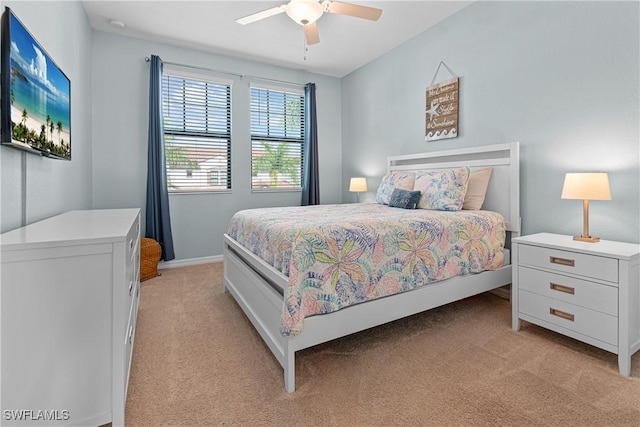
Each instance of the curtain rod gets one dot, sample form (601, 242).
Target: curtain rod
(242, 76)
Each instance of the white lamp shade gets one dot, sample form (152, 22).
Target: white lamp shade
(586, 186)
(304, 11)
(358, 184)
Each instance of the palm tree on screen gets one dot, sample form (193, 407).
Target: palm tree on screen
(59, 128)
(275, 161)
(47, 128)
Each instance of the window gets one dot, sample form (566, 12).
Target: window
(197, 133)
(277, 138)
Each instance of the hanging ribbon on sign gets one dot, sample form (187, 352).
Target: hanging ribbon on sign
(441, 112)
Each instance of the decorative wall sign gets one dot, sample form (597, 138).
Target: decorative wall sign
(442, 110)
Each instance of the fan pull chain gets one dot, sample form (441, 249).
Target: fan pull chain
(304, 46)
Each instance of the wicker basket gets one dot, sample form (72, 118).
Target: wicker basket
(150, 253)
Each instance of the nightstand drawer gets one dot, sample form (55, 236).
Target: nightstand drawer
(591, 266)
(594, 324)
(594, 296)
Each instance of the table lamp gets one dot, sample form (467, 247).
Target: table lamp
(586, 186)
(357, 185)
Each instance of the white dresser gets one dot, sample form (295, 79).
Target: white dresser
(69, 299)
(588, 291)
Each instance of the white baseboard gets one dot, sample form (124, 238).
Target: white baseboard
(186, 262)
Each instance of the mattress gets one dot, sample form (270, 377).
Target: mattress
(338, 255)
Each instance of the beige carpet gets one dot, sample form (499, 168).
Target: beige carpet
(198, 361)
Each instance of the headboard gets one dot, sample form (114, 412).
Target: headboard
(503, 194)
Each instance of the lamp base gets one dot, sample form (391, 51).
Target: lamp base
(587, 239)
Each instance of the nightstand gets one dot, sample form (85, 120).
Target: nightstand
(587, 291)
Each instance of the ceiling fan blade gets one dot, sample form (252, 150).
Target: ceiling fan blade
(311, 33)
(355, 10)
(261, 15)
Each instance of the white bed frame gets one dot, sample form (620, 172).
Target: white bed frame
(257, 287)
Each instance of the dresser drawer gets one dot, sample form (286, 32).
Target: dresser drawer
(133, 237)
(129, 335)
(591, 266)
(130, 286)
(132, 277)
(128, 345)
(594, 296)
(594, 324)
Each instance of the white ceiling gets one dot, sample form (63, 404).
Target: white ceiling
(346, 43)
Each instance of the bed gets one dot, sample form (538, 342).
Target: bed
(264, 289)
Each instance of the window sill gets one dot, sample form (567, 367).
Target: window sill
(276, 190)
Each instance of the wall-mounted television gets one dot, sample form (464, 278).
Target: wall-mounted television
(35, 104)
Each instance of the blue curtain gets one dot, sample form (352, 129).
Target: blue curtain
(157, 218)
(310, 181)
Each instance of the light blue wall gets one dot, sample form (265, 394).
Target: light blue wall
(560, 77)
(120, 123)
(53, 186)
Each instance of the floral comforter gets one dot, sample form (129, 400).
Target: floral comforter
(340, 255)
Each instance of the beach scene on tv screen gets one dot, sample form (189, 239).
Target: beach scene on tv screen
(40, 107)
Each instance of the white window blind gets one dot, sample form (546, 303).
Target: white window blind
(277, 138)
(197, 133)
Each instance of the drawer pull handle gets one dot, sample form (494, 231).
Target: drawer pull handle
(131, 244)
(562, 288)
(562, 261)
(562, 314)
(130, 287)
(130, 334)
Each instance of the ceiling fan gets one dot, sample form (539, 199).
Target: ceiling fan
(307, 12)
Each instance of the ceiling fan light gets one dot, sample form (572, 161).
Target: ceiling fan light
(304, 11)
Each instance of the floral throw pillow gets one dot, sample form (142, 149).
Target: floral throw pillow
(442, 190)
(391, 180)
